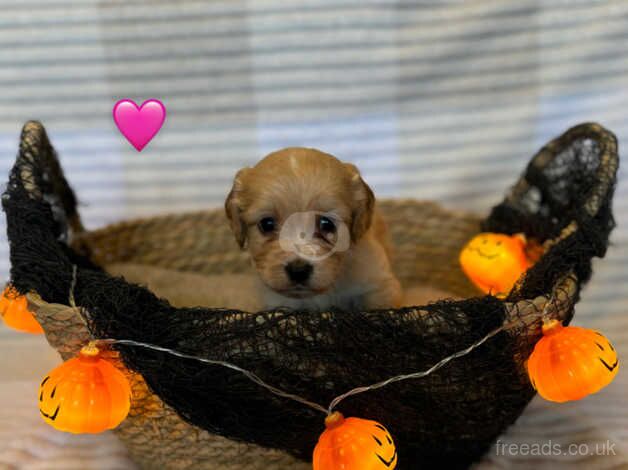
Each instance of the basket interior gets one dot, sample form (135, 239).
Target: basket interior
(426, 239)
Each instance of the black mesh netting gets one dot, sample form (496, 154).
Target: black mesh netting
(448, 418)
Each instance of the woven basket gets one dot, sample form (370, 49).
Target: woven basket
(154, 434)
(427, 240)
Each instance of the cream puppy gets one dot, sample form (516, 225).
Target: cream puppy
(313, 231)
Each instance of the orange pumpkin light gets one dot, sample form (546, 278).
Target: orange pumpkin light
(354, 444)
(15, 313)
(86, 394)
(570, 362)
(494, 262)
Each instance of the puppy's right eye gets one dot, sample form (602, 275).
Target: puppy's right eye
(267, 225)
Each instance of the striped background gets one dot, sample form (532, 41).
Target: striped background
(437, 100)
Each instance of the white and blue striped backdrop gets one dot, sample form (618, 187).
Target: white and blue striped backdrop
(435, 100)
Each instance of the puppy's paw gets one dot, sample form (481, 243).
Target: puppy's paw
(390, 295)
(419, 295)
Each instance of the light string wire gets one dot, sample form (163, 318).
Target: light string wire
(247, 373)
(279, 392)
(416, 375)
(282, 393)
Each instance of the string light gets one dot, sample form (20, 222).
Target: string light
(277, 391)
(250, 375)
(282, 393)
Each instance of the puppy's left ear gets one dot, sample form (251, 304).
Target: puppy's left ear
(363, 203)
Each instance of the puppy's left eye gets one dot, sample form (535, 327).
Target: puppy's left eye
(326, 225)
(266, 225)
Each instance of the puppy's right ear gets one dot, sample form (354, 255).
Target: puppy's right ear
(233, 208)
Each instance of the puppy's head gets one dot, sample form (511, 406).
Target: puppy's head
(298, 211)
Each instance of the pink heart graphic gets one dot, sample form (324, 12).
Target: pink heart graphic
(139, 124)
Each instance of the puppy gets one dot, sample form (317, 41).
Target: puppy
(313, 232)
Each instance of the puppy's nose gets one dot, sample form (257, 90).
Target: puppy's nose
(299, 271)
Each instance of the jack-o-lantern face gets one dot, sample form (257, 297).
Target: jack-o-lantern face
(84, 395)
(494, 262)
(571, 362)
(354, 444)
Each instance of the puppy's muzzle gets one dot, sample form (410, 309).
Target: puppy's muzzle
(299, 271)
